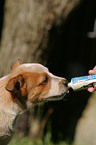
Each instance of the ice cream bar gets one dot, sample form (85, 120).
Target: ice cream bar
(79, 83)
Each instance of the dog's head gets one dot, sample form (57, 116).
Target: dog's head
(32, 83)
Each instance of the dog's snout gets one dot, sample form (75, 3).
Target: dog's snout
(65, 82)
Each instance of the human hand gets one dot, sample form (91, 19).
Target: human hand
(91, 89)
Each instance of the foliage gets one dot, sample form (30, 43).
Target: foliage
(27, 141)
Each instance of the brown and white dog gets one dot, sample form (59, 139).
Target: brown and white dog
(26, 86)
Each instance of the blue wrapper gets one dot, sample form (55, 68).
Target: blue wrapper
(83, 78)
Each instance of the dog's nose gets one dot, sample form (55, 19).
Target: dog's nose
(65, 83)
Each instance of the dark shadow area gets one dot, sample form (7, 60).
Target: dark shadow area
(72, 54)
(2, 2)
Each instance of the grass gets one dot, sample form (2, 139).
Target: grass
(27, 141)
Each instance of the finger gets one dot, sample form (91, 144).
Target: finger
(94, 68)
(91, 89)
(94, 84)
(92, 72)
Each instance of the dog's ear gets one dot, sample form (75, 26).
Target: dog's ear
(16, 64)
(18, 89)
(17, 86)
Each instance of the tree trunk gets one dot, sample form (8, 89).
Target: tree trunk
(86, 127)
(26, 29)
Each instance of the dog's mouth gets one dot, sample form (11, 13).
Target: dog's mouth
(58, 97)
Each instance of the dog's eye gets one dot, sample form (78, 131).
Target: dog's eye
(45, 80)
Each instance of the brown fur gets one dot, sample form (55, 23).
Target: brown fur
(24, 87)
